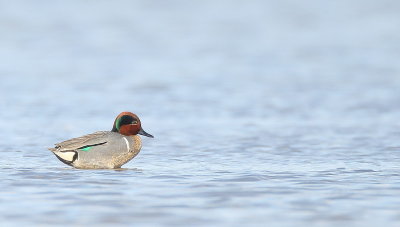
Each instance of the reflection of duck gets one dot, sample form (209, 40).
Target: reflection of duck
(104, 149)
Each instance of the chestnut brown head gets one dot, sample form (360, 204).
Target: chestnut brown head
(128, 124)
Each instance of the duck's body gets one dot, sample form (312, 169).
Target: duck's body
(103, 149)
(98, 150)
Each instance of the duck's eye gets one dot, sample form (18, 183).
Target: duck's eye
(126, 120)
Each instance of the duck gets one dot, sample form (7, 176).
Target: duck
(104, 149)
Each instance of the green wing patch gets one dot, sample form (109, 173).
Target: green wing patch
(86, 148)
(89, 147)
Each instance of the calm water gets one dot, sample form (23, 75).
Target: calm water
(264, 112)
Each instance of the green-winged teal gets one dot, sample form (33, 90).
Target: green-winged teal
(104, 149)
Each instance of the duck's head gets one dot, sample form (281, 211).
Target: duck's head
(128, 124)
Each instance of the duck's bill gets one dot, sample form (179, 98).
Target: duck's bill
(143, 133)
